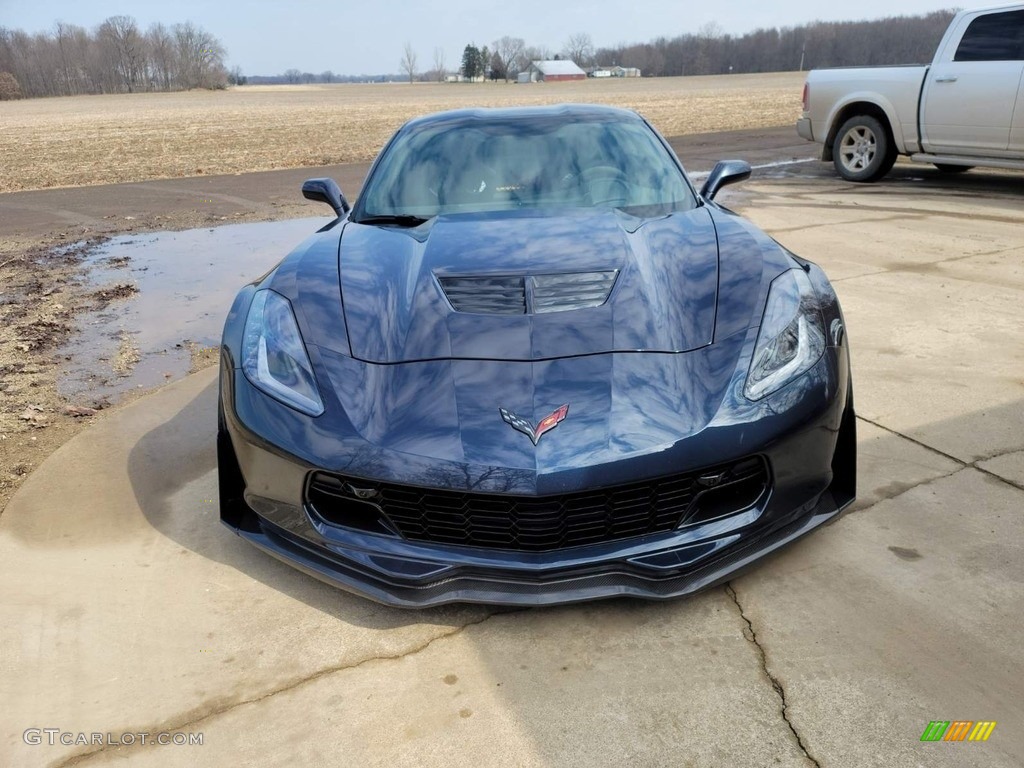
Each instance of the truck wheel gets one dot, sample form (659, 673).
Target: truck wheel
(953, 168)
(862, 150)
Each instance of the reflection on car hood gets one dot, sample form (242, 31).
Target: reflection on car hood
(663, 297)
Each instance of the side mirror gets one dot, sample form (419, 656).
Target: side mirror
(326, 191)
(726, 172)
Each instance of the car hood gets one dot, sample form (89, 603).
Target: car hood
(426, 423)
(663, 275)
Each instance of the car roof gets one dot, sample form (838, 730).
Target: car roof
(566, 112)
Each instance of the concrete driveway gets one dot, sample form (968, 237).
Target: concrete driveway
(126, 609)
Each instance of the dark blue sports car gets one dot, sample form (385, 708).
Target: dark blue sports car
(533, 365)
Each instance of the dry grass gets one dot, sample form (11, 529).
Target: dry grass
(103, 139)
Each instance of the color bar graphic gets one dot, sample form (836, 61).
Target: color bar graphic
(958, 730)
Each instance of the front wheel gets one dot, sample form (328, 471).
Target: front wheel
(862, 150)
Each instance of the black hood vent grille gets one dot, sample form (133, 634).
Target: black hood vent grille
(486, 295)
(530, 294)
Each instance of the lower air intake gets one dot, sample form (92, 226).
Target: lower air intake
(540, 523)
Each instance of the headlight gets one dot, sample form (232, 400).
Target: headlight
(792, 335)
(273, 357)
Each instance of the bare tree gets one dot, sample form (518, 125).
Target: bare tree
(162, 56)
(580, 49)
(532, 54)
(439, 71)
(327, 76)
(408, 63)
(707, 36)
(200, 57)
(64, 34)
(509, 50)
(121, 35)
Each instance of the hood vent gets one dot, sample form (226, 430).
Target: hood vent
(486, 295)
(530, 294)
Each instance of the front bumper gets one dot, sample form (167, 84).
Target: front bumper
(378, 578)
(811, 459)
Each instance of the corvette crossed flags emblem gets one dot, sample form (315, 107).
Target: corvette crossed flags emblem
(546, 424)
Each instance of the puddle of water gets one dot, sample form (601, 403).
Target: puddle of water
(185, 283)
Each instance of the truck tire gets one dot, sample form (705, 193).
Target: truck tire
(862, 150)
(953, 168)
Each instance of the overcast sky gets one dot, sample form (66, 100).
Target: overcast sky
(269, 36)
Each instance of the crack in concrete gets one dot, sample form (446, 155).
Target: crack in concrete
(750, 634)
(855, 510)
(814, 200)
(185, 725)
(858, 222)
(928, 267)
(963, 464)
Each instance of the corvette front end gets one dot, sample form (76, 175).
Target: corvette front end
(522, 404)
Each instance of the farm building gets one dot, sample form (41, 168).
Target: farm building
(614, 72)
(553, 71)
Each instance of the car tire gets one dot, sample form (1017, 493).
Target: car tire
(953, 168)
(862, 150)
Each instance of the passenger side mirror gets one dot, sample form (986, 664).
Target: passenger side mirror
(726, 172)
(326, 190)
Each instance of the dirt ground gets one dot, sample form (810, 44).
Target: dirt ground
(43, 289)
(71, 141)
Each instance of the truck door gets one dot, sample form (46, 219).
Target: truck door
(970, 92)
(1017, 127)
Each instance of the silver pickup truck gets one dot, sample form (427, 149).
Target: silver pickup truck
(966, 109)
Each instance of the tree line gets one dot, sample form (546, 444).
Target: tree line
(880, 42)
(118, 57)
(115, 57)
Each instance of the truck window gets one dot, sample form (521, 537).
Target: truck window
(993, 37)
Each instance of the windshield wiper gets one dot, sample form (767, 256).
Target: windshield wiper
(401, 219)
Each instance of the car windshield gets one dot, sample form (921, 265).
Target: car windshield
(493, 164)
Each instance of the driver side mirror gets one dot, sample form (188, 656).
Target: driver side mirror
(726, 172)
(326, 190)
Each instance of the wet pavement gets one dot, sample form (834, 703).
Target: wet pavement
(171, 290)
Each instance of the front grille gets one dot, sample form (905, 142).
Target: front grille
(532, 294)
(538, 523)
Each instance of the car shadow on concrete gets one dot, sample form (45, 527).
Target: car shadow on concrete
(180, 455)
